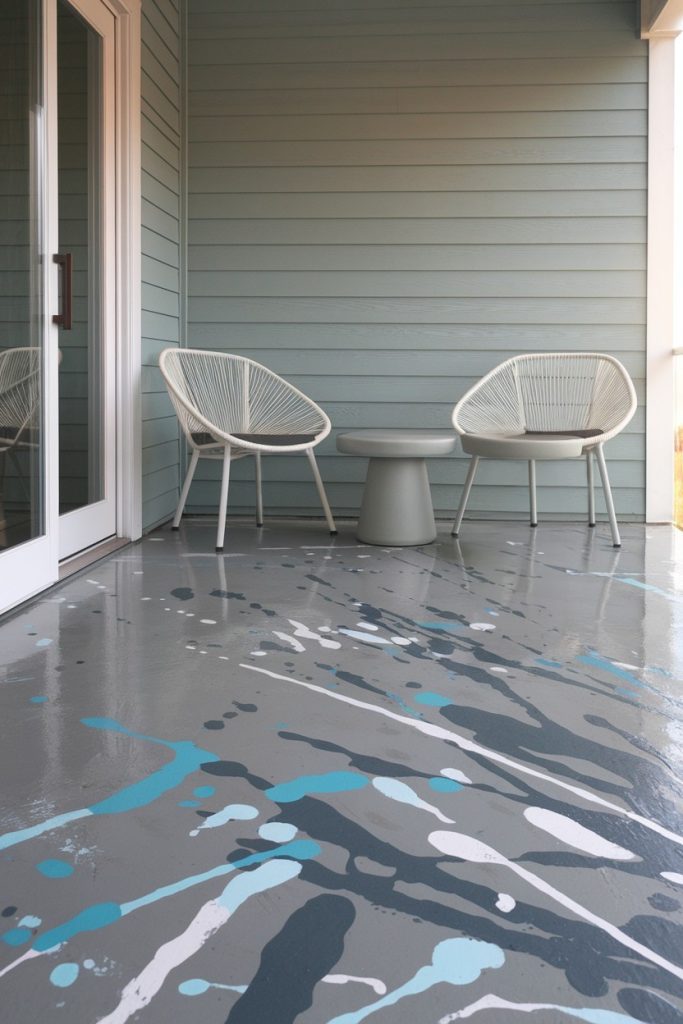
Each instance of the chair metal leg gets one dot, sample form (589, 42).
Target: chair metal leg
(186, 488)
(602, 465)
(223, 507)
(464, 497)
(321, 491)
(591, 492)
(259, 490)
(532, 493)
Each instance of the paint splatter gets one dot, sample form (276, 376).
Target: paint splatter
(55, 868)
(64, 975)
(505, 903)
(570, 832)
(233, 812)
(454, 962)
(305, 785)
(198, 986)
(403, 794)
(432, 700)
(344, 979)
(492, 1002)
(277, 831)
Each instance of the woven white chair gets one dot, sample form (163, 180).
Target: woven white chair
(230, 407)
(19, 394)
(546, 406)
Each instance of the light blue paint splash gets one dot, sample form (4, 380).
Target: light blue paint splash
(277, 831)
(64, 975)
(187, 759)
(598, 1016)
(45, 642)
(29, 921)
(248, 884)
(330, 782)
(548, 663)
(100, 915)
(38, 700)
(55, 868)
(16, 936)
(441, 785)
(595, 660)
(197, 987)
(433, 700)
(454, 962)
(233, 812)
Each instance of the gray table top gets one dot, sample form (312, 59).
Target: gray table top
(396, 444)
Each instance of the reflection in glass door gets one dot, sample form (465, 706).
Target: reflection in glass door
(86, 340)
(22, 480)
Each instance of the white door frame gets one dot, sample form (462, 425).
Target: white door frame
(662, 23)
(29, 568)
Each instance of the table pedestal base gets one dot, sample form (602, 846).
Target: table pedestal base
(397, 504)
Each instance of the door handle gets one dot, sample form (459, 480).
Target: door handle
(65, 262)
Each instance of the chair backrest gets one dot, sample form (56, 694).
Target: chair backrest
(550, 391)
(19, 391)
(229, 394)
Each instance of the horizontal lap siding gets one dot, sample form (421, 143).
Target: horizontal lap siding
(161, 234)
(387, 199)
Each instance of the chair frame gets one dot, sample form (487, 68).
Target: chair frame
(592, 446)
(226, 447)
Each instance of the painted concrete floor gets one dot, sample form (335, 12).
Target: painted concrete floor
(320, 782)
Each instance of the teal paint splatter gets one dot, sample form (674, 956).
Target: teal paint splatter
(454, 962)
(595, 660)
(547, 662)
(64, 975)
(441, 627)
(330, 782)
(100, 915)
(189, 803)
(16, 936)
(433, 700)
(442, 785)
(38, 700)
(89, 920)
(204, 791)
(55, 868)
(401, 703)
(187, 759)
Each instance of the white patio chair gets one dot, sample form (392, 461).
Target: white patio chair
(546, 406)
(19, 394)
(230, 407)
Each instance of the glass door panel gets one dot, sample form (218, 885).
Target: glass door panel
(21, 428)
(85, 90)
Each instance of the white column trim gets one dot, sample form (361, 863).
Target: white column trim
(129, 249)
(661, 280)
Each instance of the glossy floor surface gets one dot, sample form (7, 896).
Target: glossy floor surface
(321, 782)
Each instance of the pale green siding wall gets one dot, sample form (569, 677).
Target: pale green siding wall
(161, 255)
(387, 200)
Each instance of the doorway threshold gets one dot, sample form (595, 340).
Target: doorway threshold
(83, 559)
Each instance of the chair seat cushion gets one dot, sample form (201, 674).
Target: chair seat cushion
(530, 445)
(271, 440)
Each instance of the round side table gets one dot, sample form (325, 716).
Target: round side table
(397, 502)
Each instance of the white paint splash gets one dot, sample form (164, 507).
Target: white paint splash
(373, 629)
(286, 638)
(505, 903)
(307, 634)
(233, 812)
(394, 789)
(450, 736)
(573, 834)
(491, 1002)
(456, 775)
(457, 844)
(483, 627)
(343, 979)
(140, 991)
(673, 876)
(368, 638)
